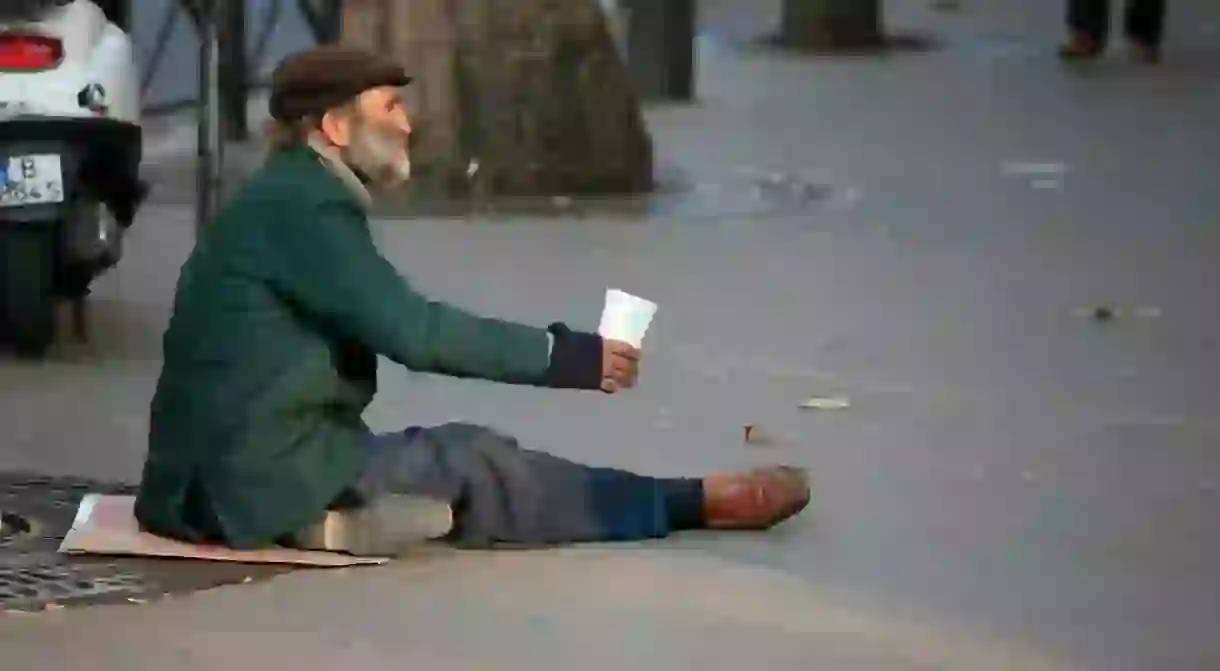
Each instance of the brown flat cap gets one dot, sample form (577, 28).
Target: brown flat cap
(318, 79)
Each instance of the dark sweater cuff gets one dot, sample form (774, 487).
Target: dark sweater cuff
(684, 503)
(576, 359)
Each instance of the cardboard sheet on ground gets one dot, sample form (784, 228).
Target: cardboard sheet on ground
(106, 525)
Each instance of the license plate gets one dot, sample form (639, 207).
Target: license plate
(36, 179)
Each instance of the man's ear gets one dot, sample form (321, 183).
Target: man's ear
(336, 127)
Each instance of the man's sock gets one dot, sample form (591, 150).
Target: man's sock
(684, 503)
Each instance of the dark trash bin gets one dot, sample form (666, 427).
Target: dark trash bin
(660, 47)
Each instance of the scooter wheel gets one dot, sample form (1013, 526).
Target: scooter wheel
(27, 299)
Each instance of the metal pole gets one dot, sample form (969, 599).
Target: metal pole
(234, 80)
(660, 50)
(210, 152)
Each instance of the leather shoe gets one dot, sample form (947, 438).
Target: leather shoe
(754, 500)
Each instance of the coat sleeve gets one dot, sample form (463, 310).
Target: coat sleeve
(325, 263)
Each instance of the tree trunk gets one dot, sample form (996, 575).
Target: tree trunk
(831, 24)
(528, 97)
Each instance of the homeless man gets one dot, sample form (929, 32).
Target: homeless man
(270, 359)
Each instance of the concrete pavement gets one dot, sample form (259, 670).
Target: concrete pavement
(1015, 486)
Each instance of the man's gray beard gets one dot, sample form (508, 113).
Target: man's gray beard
(376, 155)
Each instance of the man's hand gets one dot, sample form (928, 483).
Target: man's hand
(620, 365)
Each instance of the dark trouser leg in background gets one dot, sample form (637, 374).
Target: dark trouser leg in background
(1145, 21)
(1090, 19)
(503, 494)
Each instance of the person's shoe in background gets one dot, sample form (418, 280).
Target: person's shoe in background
(1081, 47)
(1144, 52)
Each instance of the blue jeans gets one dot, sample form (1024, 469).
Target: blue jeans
(504, 494)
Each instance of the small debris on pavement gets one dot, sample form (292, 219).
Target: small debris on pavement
(132, 599)
(1044, 176)
(1029, 169)
(755, 435)
(473, 168)
(826, 403)
(1104, 313)
(247, 580)
(788, 187)
(562, 202)
(850, 196)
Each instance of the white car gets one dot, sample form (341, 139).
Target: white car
(70, 151)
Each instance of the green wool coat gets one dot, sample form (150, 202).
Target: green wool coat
(271, 359)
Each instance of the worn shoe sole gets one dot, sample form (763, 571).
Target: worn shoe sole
(386, 527)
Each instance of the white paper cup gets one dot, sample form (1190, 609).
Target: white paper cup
(626, 317)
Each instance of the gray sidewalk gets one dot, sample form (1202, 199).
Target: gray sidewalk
(1014, 487)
